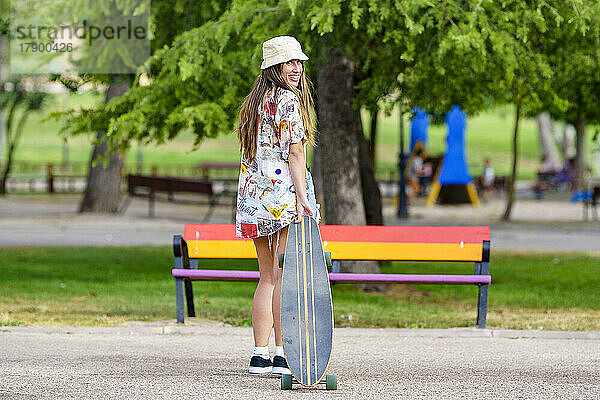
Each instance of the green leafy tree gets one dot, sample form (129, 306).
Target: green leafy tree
(200, 81)
(4, 32)
(17, 100)
(184, 93)
(168, 19)
(481, 53)
(535, 55)
(436, 54)
(573, 50)
(364, 54)
(105, 64)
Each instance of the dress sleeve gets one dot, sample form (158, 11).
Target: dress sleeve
(288, 120)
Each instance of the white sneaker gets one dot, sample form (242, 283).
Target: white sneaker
(280, 366)
(259, 365)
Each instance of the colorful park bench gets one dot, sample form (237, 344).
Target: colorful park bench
(345, 242)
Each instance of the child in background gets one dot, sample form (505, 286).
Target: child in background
(487, 179)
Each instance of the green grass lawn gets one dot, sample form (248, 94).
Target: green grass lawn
(489, 134)
(105, 286)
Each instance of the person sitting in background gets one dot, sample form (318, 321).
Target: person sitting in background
(546, 178)
(414, 174)
(487, 179)
(566, 176)
(425, 178)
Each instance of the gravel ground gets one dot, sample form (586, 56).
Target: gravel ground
(151, 362)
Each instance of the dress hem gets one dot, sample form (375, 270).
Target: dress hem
(267, 235)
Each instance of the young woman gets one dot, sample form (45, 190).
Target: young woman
(275, 189)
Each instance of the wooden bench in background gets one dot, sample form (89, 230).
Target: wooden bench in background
(219, 169)
(149, 186)
(345, 242)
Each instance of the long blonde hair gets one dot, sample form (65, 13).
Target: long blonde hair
(252, 105)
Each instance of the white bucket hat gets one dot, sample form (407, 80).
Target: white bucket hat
(281, 49)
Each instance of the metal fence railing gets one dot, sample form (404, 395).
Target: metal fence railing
(27, 177)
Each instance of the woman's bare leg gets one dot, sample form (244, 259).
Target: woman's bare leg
(262, 315)
(277, 289)
(266, 305)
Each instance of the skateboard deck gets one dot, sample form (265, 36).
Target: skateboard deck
(306, 306)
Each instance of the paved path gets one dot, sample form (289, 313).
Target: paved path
(548, 225)
(128, 231)
(171, 362)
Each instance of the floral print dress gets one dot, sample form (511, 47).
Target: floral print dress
(266, 197)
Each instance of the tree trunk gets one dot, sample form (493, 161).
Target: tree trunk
(340, 148)
(370, 188)
(103, 190)
(9, 130)
(11, 150)
(317, 170)
(1, 131)
(5, 171)
(373, 137)
(513, 176)
(3, 58)
(317, 174)
(579, 156)
(547, 140)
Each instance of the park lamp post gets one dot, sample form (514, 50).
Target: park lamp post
(402, 206)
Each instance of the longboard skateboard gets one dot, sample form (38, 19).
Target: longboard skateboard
(306, 307)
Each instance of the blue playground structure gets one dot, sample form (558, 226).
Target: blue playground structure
(453, 173)
(418, 129)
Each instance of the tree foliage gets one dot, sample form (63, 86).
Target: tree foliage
(538, 54)
(432, 54)
(574, 53)
(197, 83)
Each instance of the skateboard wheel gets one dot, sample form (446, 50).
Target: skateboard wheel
(286, 381)
(281, 257)
(328, 258)
(331, 382)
